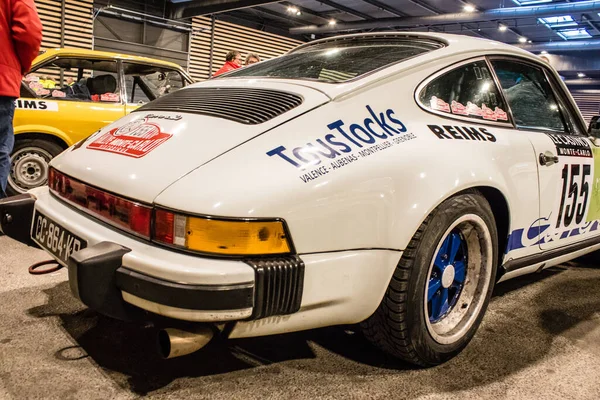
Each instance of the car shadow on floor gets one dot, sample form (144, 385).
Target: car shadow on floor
(509, 340)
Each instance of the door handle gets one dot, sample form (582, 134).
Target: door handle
(547, 159)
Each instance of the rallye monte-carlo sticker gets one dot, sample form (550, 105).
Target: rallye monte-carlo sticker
(576, 212)
(134, 139)
(349, 143)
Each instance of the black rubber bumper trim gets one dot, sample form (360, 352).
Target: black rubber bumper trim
(16, 213)
(191, 297)
(279, 285)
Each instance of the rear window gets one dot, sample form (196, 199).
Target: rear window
(339, 60)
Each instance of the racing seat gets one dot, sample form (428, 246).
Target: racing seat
(102, 84)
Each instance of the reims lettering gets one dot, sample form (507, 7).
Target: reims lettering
(462, 133)
(31, 104)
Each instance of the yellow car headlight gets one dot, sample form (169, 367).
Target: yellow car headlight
(221, 236)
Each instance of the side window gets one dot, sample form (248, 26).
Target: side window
(145, 83)
(469, 91)
(75, 79)
(529, 96)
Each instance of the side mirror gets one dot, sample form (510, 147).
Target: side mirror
(594, 128)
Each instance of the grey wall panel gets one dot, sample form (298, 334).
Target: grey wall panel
(137, 49)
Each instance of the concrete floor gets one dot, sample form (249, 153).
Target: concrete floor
(540, 340)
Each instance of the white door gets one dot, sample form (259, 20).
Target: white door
(565, 156)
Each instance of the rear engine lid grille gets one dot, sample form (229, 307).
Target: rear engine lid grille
(250, 106)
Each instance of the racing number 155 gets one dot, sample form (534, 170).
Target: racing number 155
(576, 197)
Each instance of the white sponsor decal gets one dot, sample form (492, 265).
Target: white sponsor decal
(42, 105)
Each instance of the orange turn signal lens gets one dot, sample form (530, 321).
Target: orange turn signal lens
(227, 237)
(236, 237)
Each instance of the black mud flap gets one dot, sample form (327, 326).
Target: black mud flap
(92, 278)
(16, 213)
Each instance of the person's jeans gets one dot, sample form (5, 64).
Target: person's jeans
(7, 140)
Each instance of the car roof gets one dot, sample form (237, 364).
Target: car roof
(453, 43)
(50, 53)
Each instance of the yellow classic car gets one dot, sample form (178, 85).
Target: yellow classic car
(71, 93)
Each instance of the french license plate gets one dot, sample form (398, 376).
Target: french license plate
(54, 238)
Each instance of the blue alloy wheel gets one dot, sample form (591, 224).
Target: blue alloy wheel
(447, 277)
(458, 279)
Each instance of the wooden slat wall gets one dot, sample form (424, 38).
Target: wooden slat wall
(78, 23)
(79, 33)
(50, 14)
(228, 37)
(200, 48)
(588, 101)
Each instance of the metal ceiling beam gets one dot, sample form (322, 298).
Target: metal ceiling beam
(512, 30)
(386, 7)
(436, 11)
(177, 9)
(425, 6)
(592, 24)
(346, 9)
(497, 14)
(290, 18)
(573, 45)
(306, 11)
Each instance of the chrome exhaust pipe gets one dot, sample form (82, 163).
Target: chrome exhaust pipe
(176, 343)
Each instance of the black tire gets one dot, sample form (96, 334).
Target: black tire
(401, 325)
(31, 155)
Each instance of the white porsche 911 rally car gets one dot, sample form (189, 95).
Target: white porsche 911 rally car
(383, 179)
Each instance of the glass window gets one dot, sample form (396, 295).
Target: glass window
(529, 96)
(338, 61)
(530, 2)
(558, 22)
(145, 83)
(579, 33)
(469, 91)
(76, 79)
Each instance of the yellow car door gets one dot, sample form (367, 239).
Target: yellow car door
(68, 120)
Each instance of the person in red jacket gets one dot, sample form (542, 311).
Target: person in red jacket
(20, 39)
(233, 60)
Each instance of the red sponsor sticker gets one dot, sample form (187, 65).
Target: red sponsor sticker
(501, 114)
(488, 113)
(459, 108)
(110, 97)
(439, 104)
(474, 109)
(134, 139)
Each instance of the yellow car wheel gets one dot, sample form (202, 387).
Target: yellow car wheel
(29, 164)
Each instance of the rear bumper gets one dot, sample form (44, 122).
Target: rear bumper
(98, 278)
(288, 294)
(117, 272)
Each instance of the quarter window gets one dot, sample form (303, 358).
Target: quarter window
(468, 91)
(529, 96)
(145, 83)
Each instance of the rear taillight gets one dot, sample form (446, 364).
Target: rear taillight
(169, 228)
(206, 235)
(125, 214)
